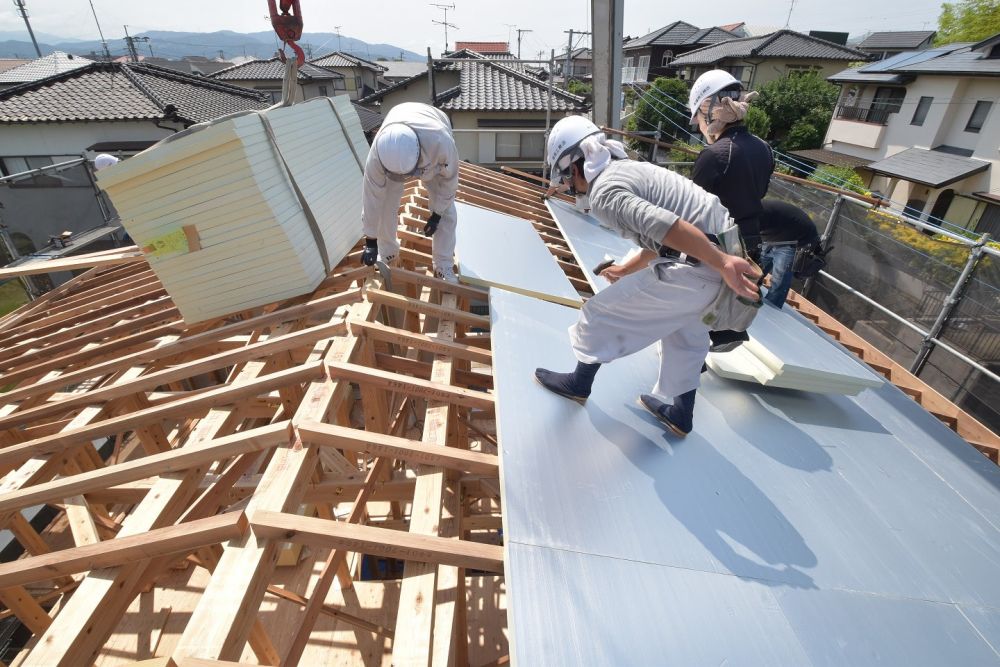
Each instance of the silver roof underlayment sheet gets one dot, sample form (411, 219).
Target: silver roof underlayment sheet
(497, 250)
(789, 528)
(785, 349)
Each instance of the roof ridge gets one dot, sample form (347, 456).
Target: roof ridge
(535, 82)
(141, 85)
(203, 81)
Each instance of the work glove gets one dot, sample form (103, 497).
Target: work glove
(370, 255)
(432, 225)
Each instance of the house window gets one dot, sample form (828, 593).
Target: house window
(520, 146)
(627, 62)
(358, 83)
(273, 93)
(73, 177)
(323, 91)
(887, 100)
(338, 84)
(978, 117)
(923, 106)
(668, 57)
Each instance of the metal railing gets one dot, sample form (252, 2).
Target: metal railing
(876, 114)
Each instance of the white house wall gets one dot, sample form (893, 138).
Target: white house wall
(71, 138)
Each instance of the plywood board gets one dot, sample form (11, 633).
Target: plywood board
(794, 491)
(497, 250)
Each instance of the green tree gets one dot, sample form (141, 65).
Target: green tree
(968, 21)
(579, 87)
(799, 108)
(844, 178)
(757, 121)
(656, 106)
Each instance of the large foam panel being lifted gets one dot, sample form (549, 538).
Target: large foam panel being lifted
(221, 213)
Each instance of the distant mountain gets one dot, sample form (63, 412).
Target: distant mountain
(22, 36)
(224, 43)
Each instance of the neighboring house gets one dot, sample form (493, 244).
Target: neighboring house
(266, 76)
(743, 29)
(196, 66)
(581, 63)
(488, 49)
(498, 113)
(650, 56)
(928, 124)
(398, 70)
(371, 121)
(882, 45)
(118, 108)
(757, 60)
(360, 76)
(56, 62)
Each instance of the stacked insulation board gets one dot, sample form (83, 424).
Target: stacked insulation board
(219, 218)
(784, 349)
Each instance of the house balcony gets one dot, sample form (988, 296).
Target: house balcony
(859, 126)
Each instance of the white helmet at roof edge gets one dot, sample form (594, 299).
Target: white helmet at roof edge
(709, 84)
(564, 144)
(398, 149)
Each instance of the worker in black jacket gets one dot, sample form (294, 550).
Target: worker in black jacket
(736, 166)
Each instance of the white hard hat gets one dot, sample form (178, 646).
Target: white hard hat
(709, 84)
(398, 148)
(104, 160)
(564, 144)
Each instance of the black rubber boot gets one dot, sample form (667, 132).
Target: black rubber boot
(678, 418)
(727, 341)
(575, 385)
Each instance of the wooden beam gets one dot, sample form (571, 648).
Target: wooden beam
(410, 386)
(175, 460)
(377, 541)
(412, 451)
(70, 264)
(424, 308)
(421, 341)
(227, 394)
(159, 542)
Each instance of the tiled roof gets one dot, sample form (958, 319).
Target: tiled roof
(341, 59)
(827, 156)
(959, 61)
(370, 120)
(485, 86)
(484, 47)
(273, 70)
(403, 69)
(124, 91)
(781, 44)
(675, 34)
(901, 39)
(933, 168)
(54, 63)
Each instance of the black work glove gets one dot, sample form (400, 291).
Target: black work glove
(432, 225)
(370, 255)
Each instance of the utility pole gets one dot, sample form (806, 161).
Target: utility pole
(445, 23)
(130, 43)
(104, 42)
(790, 8)
(606, 24)
(519, 32)
(23, 11)
(569, 52)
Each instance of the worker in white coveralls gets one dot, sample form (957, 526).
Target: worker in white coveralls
(415, 141)
(652, 297)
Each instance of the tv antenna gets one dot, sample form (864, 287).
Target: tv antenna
(445, 23)
(336, 29)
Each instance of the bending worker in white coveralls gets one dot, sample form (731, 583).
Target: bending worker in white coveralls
(652, 297)
(415, 141)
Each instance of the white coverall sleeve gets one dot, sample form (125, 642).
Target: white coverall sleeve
(633, 217)
(443, 187)
(380, 206)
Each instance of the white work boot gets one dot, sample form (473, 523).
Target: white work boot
(445, 273)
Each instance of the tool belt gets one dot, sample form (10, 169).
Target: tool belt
(729, 311)
(669, 253)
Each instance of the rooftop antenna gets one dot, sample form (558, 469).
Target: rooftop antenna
(104, 43)
(519, 32)
(510, 26)
(445, 23)
(336, 29)
(23, 11)
(790, 8)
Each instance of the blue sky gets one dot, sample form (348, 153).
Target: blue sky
(407, 23)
